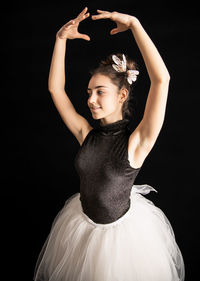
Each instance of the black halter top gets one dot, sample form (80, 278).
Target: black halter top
(106, 177)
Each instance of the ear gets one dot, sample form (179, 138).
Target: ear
(123, 94)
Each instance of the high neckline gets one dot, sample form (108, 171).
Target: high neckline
(114, 128)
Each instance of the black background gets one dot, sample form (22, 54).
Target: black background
(38, 173)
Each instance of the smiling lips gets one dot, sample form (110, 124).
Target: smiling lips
(95, 108)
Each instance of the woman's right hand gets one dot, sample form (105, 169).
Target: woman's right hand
(70, 29)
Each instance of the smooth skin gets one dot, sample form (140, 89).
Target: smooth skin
(144, 136)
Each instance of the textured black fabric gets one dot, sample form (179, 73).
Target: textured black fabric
(106, 176)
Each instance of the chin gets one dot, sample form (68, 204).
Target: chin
(96, 117)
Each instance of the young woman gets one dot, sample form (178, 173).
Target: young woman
(110, 231)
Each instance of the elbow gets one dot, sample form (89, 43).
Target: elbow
(50, 88)
(53, 86)
(53, 89)
(166, 77)
(56, 91)
(163, 78)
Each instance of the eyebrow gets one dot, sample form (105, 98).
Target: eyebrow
(98, 87)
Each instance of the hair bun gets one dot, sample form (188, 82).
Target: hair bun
(131, 65)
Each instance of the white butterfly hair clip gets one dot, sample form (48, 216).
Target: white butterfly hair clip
(121, 66)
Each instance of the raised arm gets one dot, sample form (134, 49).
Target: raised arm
(76, 123)
(155, 107)
(144, 136)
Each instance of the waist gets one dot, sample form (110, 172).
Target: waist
(104, 212)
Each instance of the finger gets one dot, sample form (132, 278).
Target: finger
(101, 11)
(114, 31)
(70, 23)
(83, 36)
(82, 13)
(86, 16)
(105, 15)
(81, 18)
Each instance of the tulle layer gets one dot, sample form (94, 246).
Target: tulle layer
(140, 246)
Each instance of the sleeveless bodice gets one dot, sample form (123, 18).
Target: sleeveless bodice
(106, 176)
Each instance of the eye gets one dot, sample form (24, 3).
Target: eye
(100, 92)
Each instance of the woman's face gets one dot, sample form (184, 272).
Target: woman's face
(104, 98)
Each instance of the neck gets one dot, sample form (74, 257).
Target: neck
(106, 121)
(114, 128)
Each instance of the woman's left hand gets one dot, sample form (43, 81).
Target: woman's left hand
(123, 21)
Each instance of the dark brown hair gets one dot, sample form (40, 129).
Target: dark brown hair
(118, 78)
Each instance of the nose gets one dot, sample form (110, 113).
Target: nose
(92, 99)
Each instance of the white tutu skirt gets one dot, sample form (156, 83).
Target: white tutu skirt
(139, 246)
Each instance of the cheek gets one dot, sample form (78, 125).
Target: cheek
(109, 102)
(112, 100)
